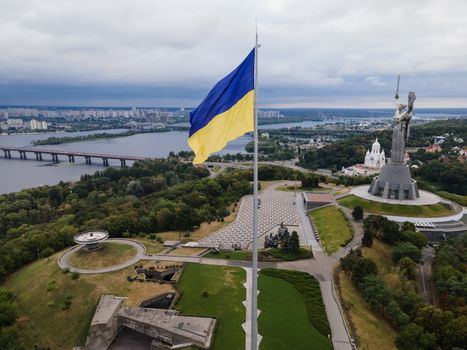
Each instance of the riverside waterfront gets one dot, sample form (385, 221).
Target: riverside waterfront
(18, 174)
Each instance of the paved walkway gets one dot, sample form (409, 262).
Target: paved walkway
(276, 207)
(425, 198)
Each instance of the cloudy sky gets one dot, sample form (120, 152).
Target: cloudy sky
(169, 53)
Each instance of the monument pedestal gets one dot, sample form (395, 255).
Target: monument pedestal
(394, 182)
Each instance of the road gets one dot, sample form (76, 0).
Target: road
(424, 275)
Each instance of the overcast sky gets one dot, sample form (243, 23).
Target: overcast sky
(169, 53)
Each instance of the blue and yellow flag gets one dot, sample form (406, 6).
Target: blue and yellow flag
(226, 113)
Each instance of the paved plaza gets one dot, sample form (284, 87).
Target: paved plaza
(276, 207)
(425, 198)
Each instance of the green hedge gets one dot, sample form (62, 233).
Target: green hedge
(308, 286)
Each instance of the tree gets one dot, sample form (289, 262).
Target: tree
(407, 266)
(410, 302)
(293, 244)
(391, 232)
(407, 226)
(406, 249)
(398, 318)
(414, 337)
(348, 262)
(363, 267)
(367, 239)
(455, 333)
(433, 319)
(418, 239)
(375, 292)
(357, 213)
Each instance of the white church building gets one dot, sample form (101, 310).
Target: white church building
(373, 162)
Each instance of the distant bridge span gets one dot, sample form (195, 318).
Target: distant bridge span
(38, 152)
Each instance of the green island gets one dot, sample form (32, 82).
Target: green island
(333, 227)
(431, 210)
(92, 137)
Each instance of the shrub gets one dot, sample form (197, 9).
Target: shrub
(205, 294)
(74, 275)
(51, 286)
(66, 270)
(357, 213)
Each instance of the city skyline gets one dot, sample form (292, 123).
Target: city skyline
(337, 55)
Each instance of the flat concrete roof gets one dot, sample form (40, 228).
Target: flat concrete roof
(199, 329)
(321, 197)
(107, 307)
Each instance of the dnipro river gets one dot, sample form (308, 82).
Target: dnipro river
(16, 174)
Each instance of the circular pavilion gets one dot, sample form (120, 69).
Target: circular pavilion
(91, 240)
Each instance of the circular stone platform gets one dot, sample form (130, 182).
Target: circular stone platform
(425, 198)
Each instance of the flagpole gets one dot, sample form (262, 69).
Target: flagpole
(254, 266)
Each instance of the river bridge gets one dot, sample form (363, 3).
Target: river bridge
(38, 152)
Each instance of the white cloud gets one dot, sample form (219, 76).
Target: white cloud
(313, 44)
(375, 80)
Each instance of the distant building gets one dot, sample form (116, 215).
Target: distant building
(37, 125)
(265, 135)
(15, 122)
(372, 164)
(433, 148)
(439, 140)
(376, 158)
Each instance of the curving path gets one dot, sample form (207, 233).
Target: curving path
(63, 260)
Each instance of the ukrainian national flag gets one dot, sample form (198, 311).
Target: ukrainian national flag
(226, 113)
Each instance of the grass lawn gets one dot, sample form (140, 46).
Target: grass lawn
(283, 321)
(41, 318)
(370, 330)
(431, 210)
(186, 251)
(333, 228)
(224, 286)
(110, 254)
(152, 246)
(270, 255)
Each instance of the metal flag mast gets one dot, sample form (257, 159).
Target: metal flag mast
(254, 266)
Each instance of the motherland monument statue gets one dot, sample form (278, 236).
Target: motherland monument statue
(394, 180)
